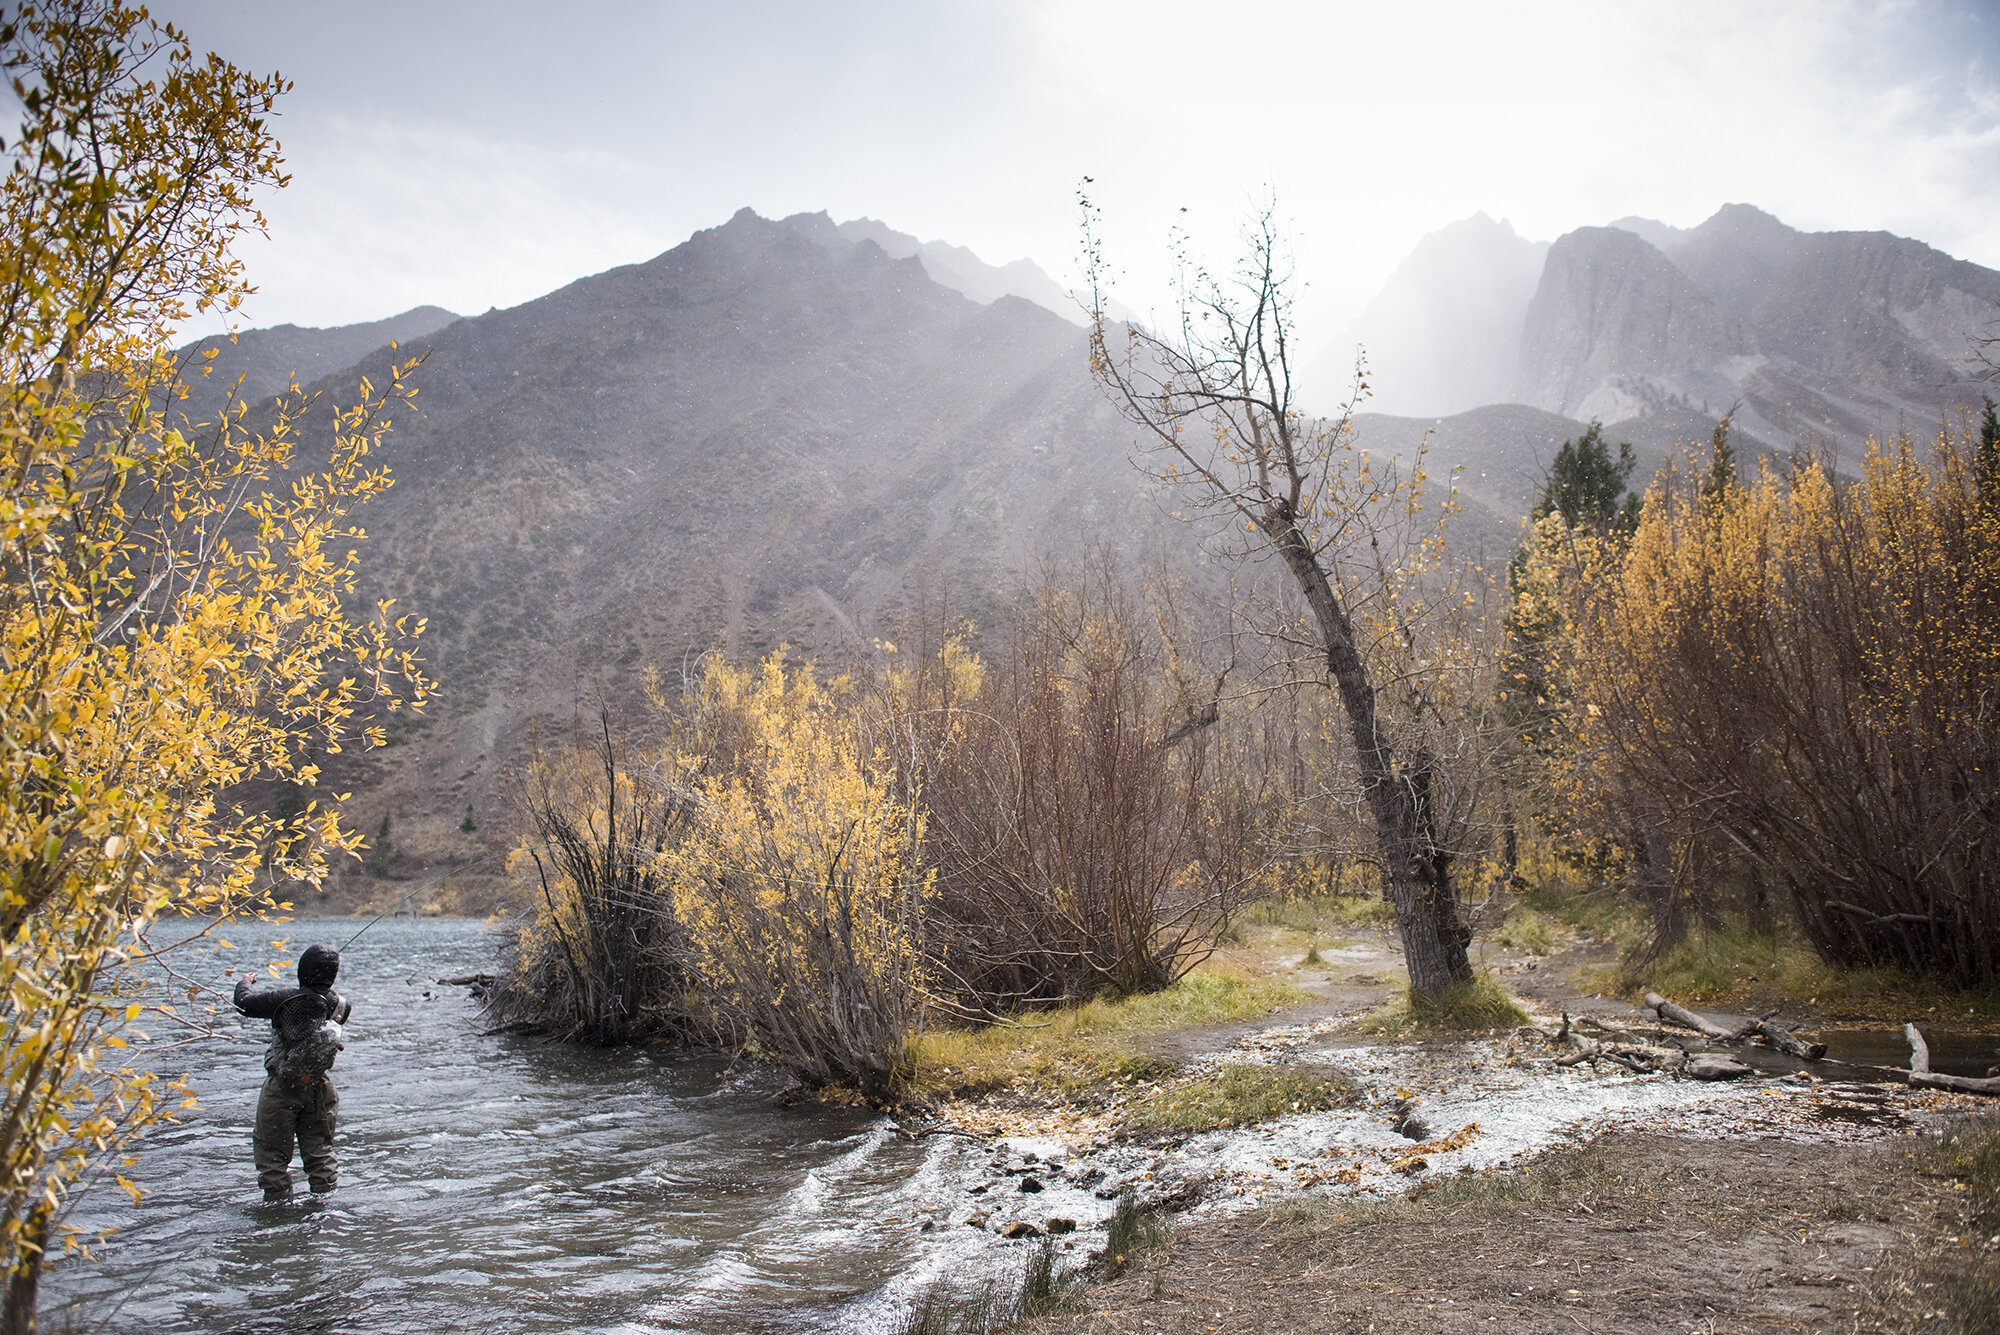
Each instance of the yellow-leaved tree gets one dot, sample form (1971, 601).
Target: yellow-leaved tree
(798, 884)
(171, 593)
(1809, 667)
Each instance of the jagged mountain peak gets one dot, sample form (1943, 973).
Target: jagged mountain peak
(1662, 236)
(1816, 338)
(1749, 229)
(958, 267)
(1610, 302)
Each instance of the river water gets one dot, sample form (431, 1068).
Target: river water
(494, 1182)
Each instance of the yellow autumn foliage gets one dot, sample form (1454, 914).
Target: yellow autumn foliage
(1810, 668)
(171, 593)
(798, 884)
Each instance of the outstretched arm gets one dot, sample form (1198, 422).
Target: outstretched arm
(262, 1003)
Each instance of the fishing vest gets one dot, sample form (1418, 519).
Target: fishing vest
(304, 1063)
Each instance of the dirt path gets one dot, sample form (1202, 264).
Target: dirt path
(1633, 1234)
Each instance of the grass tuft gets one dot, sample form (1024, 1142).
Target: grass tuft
(1087, 1046)
(1527, 930)
(1601, 912)
(1969, 1152)
(1238, 1094)
(1044, 1290)
(1131, 1232)
(1477, 1004)
(1314, 914)
(1961, 1272)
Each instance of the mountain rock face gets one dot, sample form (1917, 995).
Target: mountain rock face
(261, 363)
(1814, 338)
(1823, 338)
(1611, 310)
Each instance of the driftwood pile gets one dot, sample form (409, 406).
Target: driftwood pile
(1630, 1050)
(1642, 1055)
(1618, 1047)
(1776, 1035)
(1784, 1040)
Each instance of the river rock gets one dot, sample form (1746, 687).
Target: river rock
(1060, 1226)
(1021, 1228)
(978, 1189)
(977, 1219)
(1084, 1174)
(1709, 1066)
(1171, 1198)
(1031, 1184)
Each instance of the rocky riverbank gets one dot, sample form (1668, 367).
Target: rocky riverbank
(1452, 1179)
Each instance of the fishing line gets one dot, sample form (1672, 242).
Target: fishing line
(385, 913)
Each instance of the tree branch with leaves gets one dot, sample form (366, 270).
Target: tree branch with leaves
(173, 594)
(1215, 403)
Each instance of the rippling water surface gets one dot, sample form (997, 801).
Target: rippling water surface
(496, 1183)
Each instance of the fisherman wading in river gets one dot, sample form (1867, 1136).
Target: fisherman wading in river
(298, 1102)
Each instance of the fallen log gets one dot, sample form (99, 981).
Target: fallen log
(1922, 1078)
(1639, 1061)
(468, 980)
(1785, 1041)
(1687, 1019)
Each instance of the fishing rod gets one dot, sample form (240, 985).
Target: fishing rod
(385, 913)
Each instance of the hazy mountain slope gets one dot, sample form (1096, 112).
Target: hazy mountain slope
(270, 360)
(753, 438)
(1442, 333)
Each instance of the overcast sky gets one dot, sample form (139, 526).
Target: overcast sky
(480, 154)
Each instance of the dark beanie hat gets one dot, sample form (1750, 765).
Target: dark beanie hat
(319, 966)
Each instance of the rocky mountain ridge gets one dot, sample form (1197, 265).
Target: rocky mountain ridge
(257, 364)
(1817, 339)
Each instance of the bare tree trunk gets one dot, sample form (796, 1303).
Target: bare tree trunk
(1419, 871)
(1652, 859)
(17, 1316)
(1217, 400)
